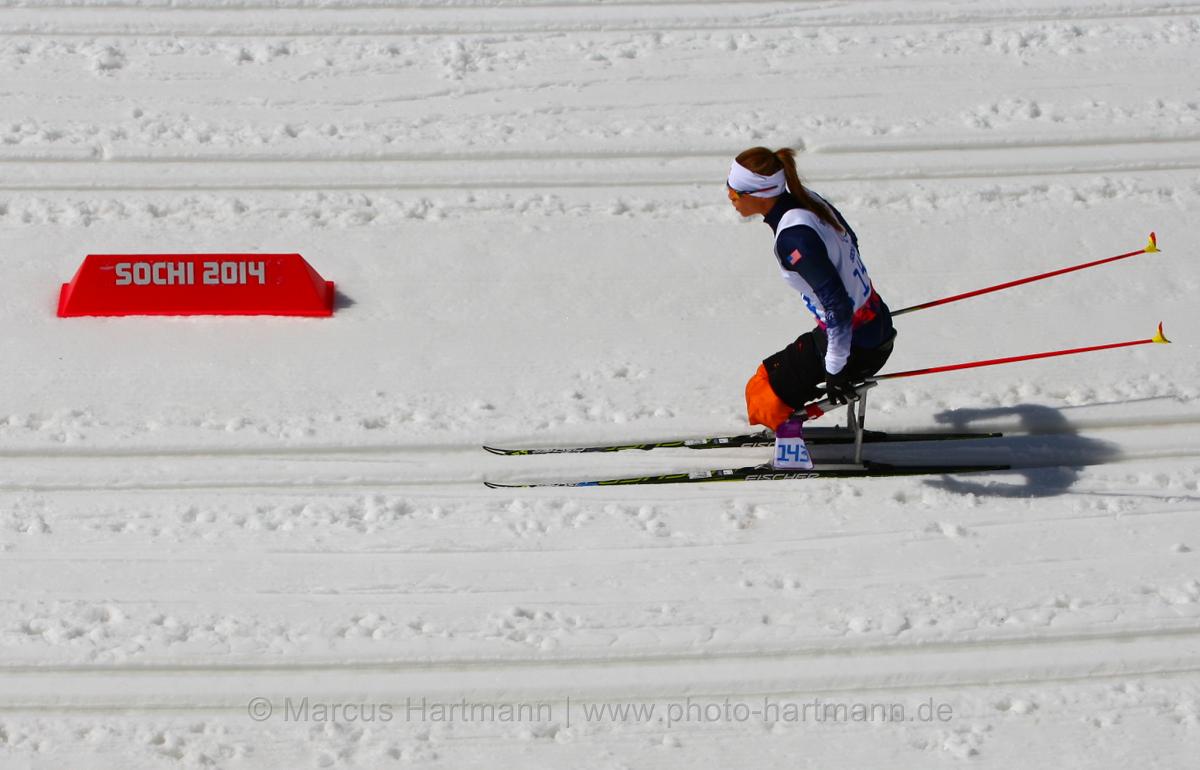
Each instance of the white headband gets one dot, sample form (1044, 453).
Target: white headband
(743, 179)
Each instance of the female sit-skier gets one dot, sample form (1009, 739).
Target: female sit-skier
(818, 257)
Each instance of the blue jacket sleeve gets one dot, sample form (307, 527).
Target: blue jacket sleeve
(814, 266)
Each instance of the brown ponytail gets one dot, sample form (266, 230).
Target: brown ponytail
(762, 161)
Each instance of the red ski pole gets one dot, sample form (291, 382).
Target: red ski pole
(1158, 337)
(1151, 247)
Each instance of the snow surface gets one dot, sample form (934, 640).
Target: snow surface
(522, 204)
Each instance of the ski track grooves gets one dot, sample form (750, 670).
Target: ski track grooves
(319, 485)
(194, 22)
(629, 659)
(944, 665)
(824, 147)
(855, 162)
(317, 452)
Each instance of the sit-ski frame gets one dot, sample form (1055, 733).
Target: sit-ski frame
(856, 416)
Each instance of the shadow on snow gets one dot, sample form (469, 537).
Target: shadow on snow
(1049, 455)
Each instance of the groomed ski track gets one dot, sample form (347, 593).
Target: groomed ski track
(522, 204)
(313, 469)
(159, 653)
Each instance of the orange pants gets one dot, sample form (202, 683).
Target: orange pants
(763, 407)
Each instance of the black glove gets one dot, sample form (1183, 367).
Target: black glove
(839, 388)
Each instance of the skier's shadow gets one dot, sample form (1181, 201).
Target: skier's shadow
(1049, 454)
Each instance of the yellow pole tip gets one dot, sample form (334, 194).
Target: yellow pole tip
(1159, 337)
(1152, 246)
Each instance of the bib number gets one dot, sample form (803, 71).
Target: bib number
(792, 453)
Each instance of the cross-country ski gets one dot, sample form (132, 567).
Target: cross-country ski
(815, 436)
(767, 472)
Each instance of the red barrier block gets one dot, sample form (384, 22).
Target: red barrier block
(196, 284)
